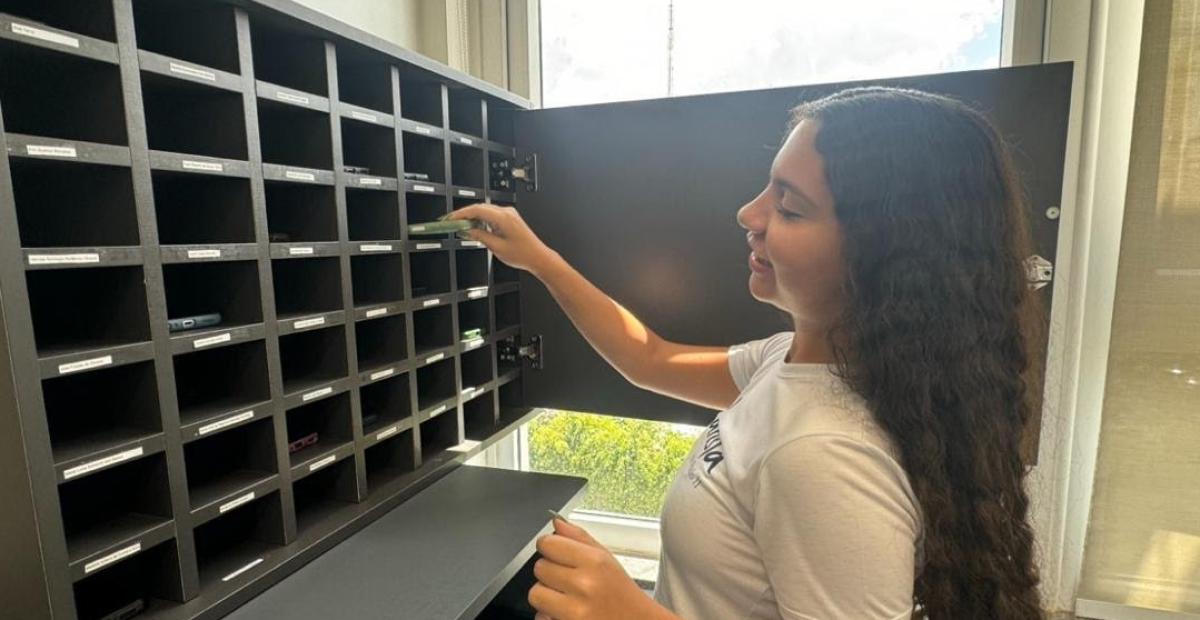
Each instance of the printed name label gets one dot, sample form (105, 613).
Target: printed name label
(431, 302)
(370, 181)
(425, 130)
(384, 434)
(304, 251)
(477, 293)
(95, 362)
(466, 192)
(200, 343)
(226, 423)
(472, 244)
(375, 376)
(429, 246)
(465, 140)
(376, 312)
(308, 323)
(241, 570)
(44, 35)
(437, 411)
(63, 259)
(469, 392)
(204, 254)
(424, 188)
(473, 344)
(50, 151)
(317, 394)
(435, 358)
(112, 558)
(107, 461)
(323, 462)
(230, 505)
(299, 176)
(193, 72)
(375, 247)
(207, 166)
(293, 98)
(363, 116)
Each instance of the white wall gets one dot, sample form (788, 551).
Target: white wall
(393, 20)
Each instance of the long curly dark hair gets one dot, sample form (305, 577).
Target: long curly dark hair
(940, 334)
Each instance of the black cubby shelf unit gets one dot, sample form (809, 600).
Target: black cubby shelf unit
(171, 159)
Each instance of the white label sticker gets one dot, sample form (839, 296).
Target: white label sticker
(363, 116)
(207, 166)
(293, 98)
(241, 570)
(476, 293)
(38, 150)
(323, 462)
(430, 302)
(302, 251)
(434, 358)
(200, 343)
(107, 461)
(95, 362)
(469, 193)
(112, 558)
(230, 505)
(437, 411)
(429, 246)
(465, 446)
(371, 181)
(303, 323)
(425, 130)
(472, 244)
(467, 141)
(375, 376)
(226, 423)
(467, 393)
(376, 312)
(384, 434)
(63, 259)
(204, 254)
(299, 176)
(45, 35)
(375, 247)
(473, 344)
(325, 391)
(193, 72)
(424, 188)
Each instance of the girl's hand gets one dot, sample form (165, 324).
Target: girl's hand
(578, 579)
(509, 238)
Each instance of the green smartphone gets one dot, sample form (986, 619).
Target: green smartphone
(443, 227)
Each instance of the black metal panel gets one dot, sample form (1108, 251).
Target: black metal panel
(641, 198)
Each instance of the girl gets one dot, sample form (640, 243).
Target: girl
(867, 464)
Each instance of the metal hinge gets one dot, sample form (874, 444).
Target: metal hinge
(1039, 272)
(507, 176)
(511, 351)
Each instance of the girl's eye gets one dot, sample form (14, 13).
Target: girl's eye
(787, 214)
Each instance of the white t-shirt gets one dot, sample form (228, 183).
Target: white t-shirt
(792, 505)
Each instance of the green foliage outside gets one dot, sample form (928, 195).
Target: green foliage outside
(629, 463)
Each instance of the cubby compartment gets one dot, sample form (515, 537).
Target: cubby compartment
(324, 493)
(381, 341)
(364, 78)
(306, 286)
(228, 289)
(473, 315)
(477, 367)
(202, 209)
(210, 383)
(511, 399)
(114, 505)
(420, 97)
(234, 460)
(390, 459)
(377, 278)
(91, 19)
(55, 95)
(436, 383)
(200, 32)
(235, 543)
(500, 125)
(72, 205)
(365, 145)
(289, 57)
(423, 208)
(466, 166)
(425, 155)
(100, 410)
(385, 402)
(372, 215)
(508, 311)
(317, 428)
(293, 136)
(502, 273)
(439, 434)
(430, 273)
(79, 309)
(472, 268)
(147, 581)
(433, 328)
(185, 117)
(312, 358)
(479, 417)
(299, 213)
(466, 112)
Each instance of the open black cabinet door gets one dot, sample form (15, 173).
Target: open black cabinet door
(641, 198)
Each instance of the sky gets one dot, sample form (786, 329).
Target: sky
(617, 50)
